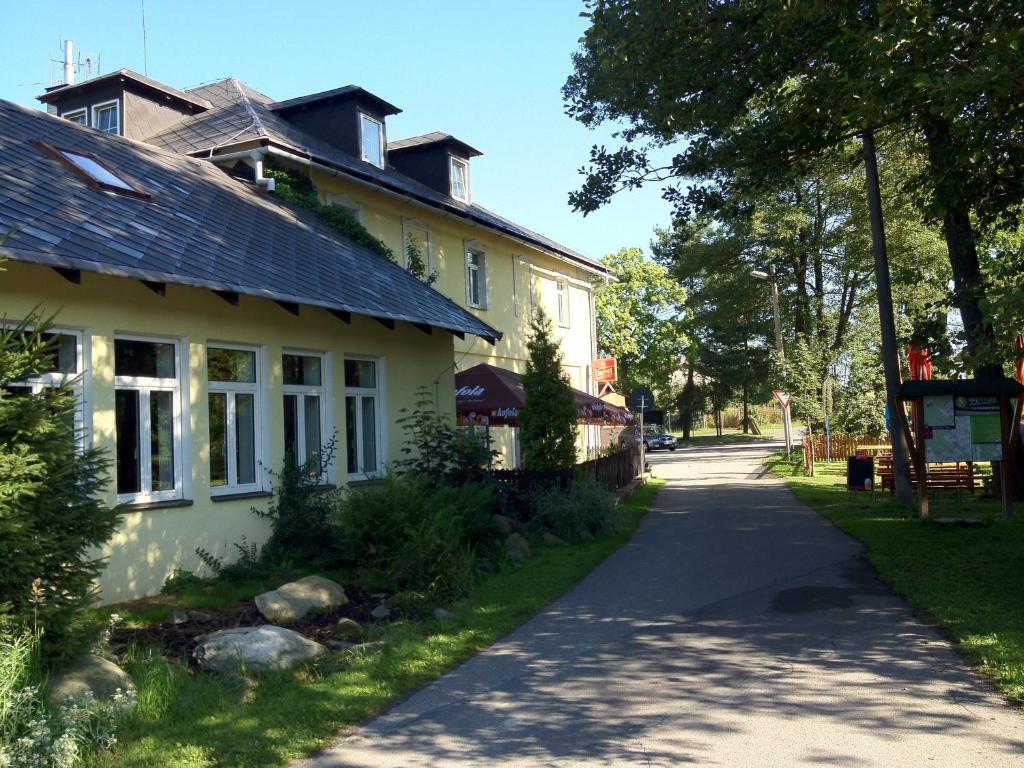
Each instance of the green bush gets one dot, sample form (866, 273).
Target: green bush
(581, 512)
(420, 538)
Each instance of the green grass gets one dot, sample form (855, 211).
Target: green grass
(968, 578)
(193, 719)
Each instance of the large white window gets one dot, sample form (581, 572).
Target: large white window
(305, 409)
(363, 418)
(106, 117)
(233, 394)
(148, 421)
(476, 277)
(371, 135)
(460, 179)
(562, 302)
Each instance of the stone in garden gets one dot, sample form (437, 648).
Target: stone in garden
(178, 617)
(347, 627)
(292, 601)
(517, 547)
(89, 674)
(442, 613)
(201, 617)
(503, 525)
(381, 612)
(266, 646)
(339, 645)
(550, 538)
(376, 645)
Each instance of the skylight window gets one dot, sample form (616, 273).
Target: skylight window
(93, 170)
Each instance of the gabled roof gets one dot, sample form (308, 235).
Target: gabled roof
(199, 227)
(242, 116)
(345, 91)
(55, 94)
(434, 137)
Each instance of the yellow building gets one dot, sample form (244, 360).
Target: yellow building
(211, 330)
(416, 191)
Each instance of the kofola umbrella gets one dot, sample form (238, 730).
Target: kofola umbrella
(488, 396)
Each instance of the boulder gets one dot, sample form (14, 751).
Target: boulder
(503, 525)
(177, 617)
(442, 614)
(550, 538)
(347, 627)
(517, 547)
(266, 646)
(292, 601)
(90, 674)
(381, 612)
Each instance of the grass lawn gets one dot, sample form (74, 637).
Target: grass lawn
(968, 578)
(186, 718)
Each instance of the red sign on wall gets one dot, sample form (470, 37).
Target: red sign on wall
(605, 370)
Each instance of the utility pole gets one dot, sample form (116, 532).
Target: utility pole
(890, 352)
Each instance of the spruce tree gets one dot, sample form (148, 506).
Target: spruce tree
(547, 421)
(51, 516)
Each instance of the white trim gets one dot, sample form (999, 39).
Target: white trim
(475, 248)
(116, 103)
(408, 225)
(583, 285)
(452, 162)
(324, 392)
(383, 145)
(72, 114)
(230, 389)
(562, 303)
(379, 394)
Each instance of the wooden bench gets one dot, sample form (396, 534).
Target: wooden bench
(941, 477)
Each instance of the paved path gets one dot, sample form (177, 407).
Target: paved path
(737, 628)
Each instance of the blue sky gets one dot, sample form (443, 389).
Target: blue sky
(489, 73)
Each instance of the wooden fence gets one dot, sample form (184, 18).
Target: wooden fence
(614, 471)
(840, 446)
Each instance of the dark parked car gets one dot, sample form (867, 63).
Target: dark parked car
(653, 441)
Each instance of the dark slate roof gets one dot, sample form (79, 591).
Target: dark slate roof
(54, 94)
(346, 90)
(434, 137)
(201, 227)
(242, 115)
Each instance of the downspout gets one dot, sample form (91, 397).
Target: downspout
(261, 181)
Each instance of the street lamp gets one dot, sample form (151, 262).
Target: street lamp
(776, 314)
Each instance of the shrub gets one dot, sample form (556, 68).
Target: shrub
(51, 516)
(581, 512)
(420, 537)
(547, 422)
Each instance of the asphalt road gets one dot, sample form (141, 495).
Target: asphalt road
(737, 628)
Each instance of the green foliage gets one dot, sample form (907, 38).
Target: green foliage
(547, 421)
(436, 451)
(52, 518)
(417, 264)
(296, 188)
(581, 512)
(639, 320)
(418, 535)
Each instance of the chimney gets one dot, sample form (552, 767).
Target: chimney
(69, 64)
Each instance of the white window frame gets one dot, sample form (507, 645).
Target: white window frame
(326, 407)
(379, 163)
(475, 249)
(379, 393)
(344, 201)
(454, 161)
(231, 388)
(408, 226)
(182, 446)
(116, 104)
(562, 302)
(71, 115)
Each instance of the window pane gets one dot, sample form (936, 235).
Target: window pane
(231, 365)
(369, 434)
(351, 447)
(360, 373)
(106, 119)
(372, 144)
(302, 370)
(76, 117)
(218, 438)
(291, 433)
(245, 437)
(161, 436)
(153, 359)
(313, 444)
(126, 426)
(474, 286)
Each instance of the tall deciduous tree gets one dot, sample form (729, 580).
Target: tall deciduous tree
(640, 320)
(547, 421)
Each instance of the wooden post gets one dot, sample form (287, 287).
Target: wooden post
(1006, 429)
(920, 460)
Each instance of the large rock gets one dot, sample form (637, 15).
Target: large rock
(517, 547)
(294, 600)
(267, 646)
(90, 674)
(502, 524)
(348, 628)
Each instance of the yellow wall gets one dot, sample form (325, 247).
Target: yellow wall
(151, 543)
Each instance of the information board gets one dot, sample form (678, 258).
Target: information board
(962, 429)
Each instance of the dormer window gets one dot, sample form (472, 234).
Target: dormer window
(77, 116)
(371, 140)
(460, 179)
(105, 118)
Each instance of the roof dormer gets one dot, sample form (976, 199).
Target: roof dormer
(438, 160)
(350, 118)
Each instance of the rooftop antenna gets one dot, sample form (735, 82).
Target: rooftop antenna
(69, 62)
(145, 53)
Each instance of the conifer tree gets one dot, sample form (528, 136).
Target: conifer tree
(548, 419)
